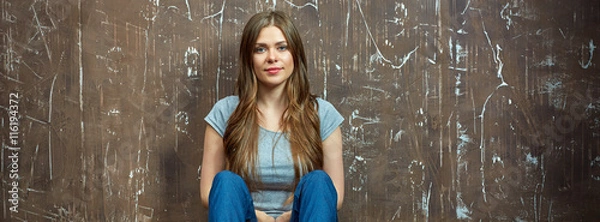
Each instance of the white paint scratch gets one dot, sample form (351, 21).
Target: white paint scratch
(41, 32)
(189, 10)
(80, 61)
(219, 47)
(505, 14)
(50, 105)
(191, 59)
(595, 165)
(459, 51)
(531, 159)
(378, 56)
(462, 210)
(146, 46)
(315, 5)
(549, 61)
(591, 48)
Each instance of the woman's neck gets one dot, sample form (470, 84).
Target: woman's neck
(272, 107)
(274, 98)
(272, 102)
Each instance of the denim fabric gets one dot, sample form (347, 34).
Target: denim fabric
(229, 199)
(315, 199)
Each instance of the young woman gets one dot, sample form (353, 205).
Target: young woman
(273, 152)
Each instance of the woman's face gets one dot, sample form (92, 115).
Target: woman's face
(273, 62)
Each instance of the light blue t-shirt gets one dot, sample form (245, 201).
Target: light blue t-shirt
(275, 166)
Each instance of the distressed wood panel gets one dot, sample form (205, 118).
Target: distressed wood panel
(459, 110)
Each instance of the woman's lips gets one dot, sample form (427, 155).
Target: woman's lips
(273, 70)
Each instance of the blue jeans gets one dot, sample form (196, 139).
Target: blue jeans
(315, 199)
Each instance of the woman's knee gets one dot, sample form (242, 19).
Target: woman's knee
(317, 179)
(227, 178)
(315, 197)
(227, 175)
(317, 175)
(227, 183)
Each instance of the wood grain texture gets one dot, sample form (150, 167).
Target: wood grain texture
(459, 110)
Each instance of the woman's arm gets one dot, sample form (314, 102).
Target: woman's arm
(213, 161)
(333, 163)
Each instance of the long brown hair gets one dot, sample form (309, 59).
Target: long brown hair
(300, 121)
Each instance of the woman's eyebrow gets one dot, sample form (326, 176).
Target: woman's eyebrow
(265, 44)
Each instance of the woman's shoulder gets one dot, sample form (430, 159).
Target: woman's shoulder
(327, 111)
(227, 103)
(224, 108)
(329, 117)
(220, 113)
(323, 104)
(229, 99)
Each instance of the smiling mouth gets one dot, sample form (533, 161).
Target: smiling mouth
(273, 70)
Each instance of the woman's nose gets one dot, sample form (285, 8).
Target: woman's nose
(272, 56)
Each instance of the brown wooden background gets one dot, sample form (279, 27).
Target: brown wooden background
(458, 110)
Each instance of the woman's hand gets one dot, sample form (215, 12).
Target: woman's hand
(263, 217)
(285, 217)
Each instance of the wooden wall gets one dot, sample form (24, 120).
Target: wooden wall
(458, 110)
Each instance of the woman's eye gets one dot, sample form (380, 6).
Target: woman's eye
(260, 50)
(282, 48)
